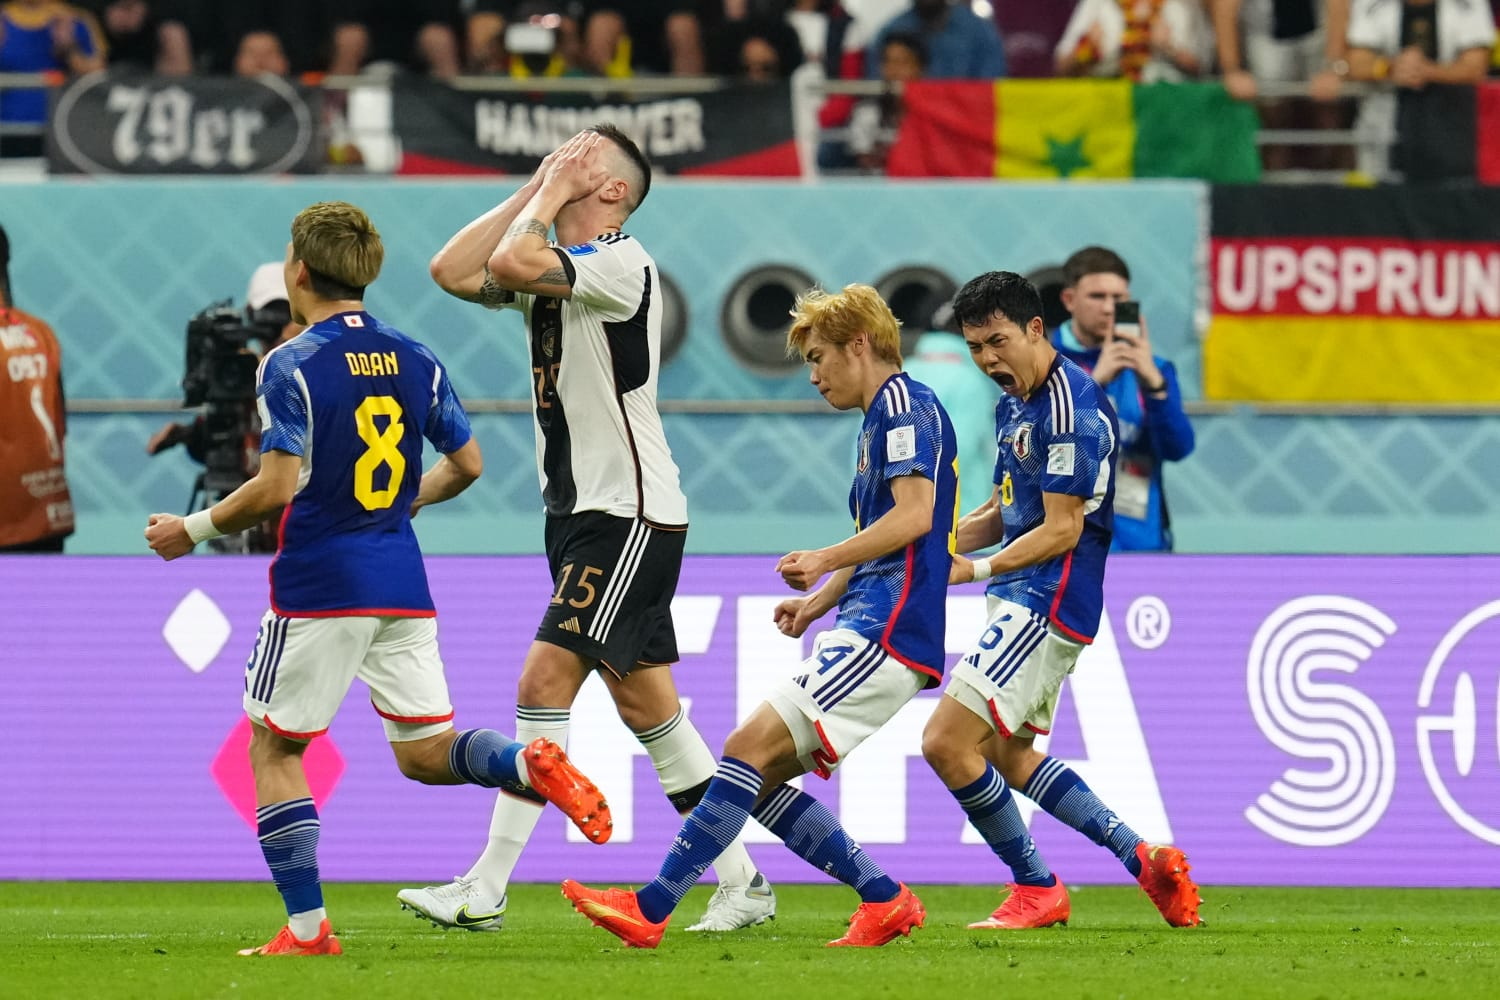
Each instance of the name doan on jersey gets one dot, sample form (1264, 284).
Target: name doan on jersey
(373, 363)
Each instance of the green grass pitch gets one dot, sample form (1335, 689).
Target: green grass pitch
(164, 940)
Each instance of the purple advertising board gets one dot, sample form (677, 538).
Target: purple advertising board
(1287, 720)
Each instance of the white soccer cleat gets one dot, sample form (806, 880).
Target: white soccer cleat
(461, 903)
(736, 906)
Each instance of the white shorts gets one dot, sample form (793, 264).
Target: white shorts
(301, 670)
(848, 689)
(1012, 676)
(1288, 60)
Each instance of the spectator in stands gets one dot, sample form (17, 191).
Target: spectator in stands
(41, 36)
(1286, 41)
(418, 35)
(36, 510)
(623, 37)
(261, 52)
(1140, 42)
(1154, 429)
(1281, 41)
(1413, 43)
(301, 28)
(873, 126)
(960, 44)
(145, 37)
(484, 38)
(757, 49)
(541, 39)
(1030, 32)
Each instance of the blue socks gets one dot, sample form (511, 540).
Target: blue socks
(484, 757)
(814, 834)
(288, 834)
(712, 825)
(1058, 789)
(992, 810)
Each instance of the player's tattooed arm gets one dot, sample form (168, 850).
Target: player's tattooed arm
(521, 227)
(550, 277)
(491, 295)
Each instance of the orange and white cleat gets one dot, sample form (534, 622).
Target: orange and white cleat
(1164, 877)
(875, 924)
(1028, 907)
(287, 943)
(617, 911)
(555, 779)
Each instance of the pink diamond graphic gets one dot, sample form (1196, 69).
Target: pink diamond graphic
(231, 769)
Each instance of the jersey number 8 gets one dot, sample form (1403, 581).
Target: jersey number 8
(383, 450)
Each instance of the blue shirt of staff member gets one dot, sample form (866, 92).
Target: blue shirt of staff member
(1143, 386)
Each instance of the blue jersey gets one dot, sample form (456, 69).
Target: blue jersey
(900, 599)
(1061, 440)
(354, 398)
(27, 46)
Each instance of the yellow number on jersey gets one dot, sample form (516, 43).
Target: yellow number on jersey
(1007, 491)
(383, 450)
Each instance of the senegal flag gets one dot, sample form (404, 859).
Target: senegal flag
(1074, 128)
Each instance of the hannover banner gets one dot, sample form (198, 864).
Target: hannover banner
(108, 124)
(743, 131)
(1287, 720)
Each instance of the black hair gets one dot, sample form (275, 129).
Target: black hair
(997, 292)
(630, 149)
(910, 40)
(1093, 260)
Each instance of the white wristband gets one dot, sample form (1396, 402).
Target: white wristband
(981, 570)
(200, 527)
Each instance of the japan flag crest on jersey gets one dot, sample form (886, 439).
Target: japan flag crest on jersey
(1022, 443)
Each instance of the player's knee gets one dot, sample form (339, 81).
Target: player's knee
(940, 750)
(420, 764)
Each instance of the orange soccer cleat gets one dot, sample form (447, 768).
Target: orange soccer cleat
(616, 911)
(1028, 906)
(555, 779)
(1164, 877)
(875, 924)
(286, 943)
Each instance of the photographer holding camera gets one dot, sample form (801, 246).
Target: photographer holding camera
(1107, 336)
(224, 348)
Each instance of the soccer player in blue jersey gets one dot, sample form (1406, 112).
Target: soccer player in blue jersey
(344, 407)
(889, 583)
(1052, 508)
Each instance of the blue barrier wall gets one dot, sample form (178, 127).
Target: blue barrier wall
(119, 266)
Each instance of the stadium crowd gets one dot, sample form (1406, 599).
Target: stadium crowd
(759, 39)
(1318, 44)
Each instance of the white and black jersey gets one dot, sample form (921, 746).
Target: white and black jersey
(595, 360)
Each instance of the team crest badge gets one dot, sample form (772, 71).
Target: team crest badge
(549, 345)
(1021, 443)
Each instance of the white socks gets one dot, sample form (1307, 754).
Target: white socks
(515, 818)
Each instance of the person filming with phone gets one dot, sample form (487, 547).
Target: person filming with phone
(1107, 336)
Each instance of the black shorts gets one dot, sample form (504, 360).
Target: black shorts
(612, 584)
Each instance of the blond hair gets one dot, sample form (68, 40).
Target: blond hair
(340, 246)
(839, 317)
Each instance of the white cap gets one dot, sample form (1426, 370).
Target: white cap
(267, 285)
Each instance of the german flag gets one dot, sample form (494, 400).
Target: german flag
(1448, 134)
(1354, 295)
(1074, 128)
